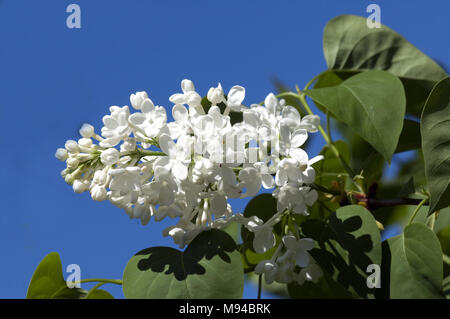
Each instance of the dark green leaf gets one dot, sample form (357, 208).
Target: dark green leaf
(372, 103)
(348, 242)
(350, 46)
(435, 129)
(210, 267)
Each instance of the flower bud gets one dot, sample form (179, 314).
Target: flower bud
(69, 178)
(98, 193)
(100, 177)
(73, 162)
(72, 146)
(85, 142)
(79, 186)
(137, 99)
(110, 156)
(61, 154)
(215, 95)
(87, 130)
(193, 98)
(187, 86)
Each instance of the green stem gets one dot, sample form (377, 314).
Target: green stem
(106, 281)
(417, 210)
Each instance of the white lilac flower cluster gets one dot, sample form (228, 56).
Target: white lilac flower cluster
(190, 167)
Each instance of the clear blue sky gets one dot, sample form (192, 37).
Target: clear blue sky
(53, 79)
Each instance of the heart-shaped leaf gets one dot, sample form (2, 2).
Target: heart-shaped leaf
(210, 267)
(48, 281)
(350, 46)
(348, 242)
(372, 103)
(435, 130)
(416, 264)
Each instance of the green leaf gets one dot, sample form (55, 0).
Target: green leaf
(48, 281)
(99, 294)
(233, 229)
(348, 241)
(372, 103)
(435, 129)
(350, 46)
(416, 264)
(326, 288)
(330, 171)
(210, 267)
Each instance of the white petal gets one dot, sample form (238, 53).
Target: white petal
(298, 138)
(167, 145)
(281, 178)
(137, 118)
(180, 113)
(267, 181)
(264, 240)
(180, 170)
(251, 119)
(110, 122)
(302, 258)
(290, 242)
(187, 85)
(271, 103)
(308, 175)
(218, 204)
(290, 113)
(236, 96)
(147, 106)
(310, 123)
(306, 244)
(177, 98)
(311, 197)
(299, 155)
(315, 159)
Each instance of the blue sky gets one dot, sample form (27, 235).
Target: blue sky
(53, 79)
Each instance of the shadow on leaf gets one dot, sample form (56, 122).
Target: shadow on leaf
(206, 245)
(341, 254)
